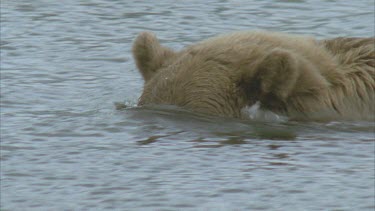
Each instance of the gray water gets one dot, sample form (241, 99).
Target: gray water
(64, 146)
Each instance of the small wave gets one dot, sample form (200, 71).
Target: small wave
(254, 112)
(124, 105)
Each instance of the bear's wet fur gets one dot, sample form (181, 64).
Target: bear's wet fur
(292, 75)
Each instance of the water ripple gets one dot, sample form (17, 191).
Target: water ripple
(64, 145)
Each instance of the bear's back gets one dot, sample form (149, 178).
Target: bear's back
(241, 48)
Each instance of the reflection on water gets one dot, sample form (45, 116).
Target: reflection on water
(65, 146)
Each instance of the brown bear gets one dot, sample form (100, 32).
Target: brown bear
(291, 75)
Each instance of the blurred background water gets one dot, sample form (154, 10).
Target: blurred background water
(64, 146)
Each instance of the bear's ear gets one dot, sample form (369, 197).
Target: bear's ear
(273, 79)
(278, 73)
(149, 55)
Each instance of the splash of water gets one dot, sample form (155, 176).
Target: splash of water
(254, 112)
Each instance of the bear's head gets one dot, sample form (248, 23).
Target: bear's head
(215, 79)
(186, 79)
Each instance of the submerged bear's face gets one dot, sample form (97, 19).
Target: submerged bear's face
(186, 79)
(201, 86)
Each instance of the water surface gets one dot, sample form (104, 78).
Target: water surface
(64, 146)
